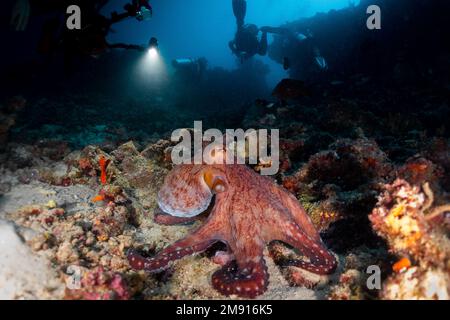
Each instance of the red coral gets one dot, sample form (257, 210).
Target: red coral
(85, 164)
(100, 285)
(417, 171)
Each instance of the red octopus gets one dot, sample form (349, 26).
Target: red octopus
(250, 211)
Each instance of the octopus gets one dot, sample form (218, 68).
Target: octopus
(247, 212)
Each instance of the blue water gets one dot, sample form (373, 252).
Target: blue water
(202, 28)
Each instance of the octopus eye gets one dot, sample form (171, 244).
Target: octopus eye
(219, 187)
(215, 183)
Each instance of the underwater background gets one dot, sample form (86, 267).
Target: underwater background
(86, 120)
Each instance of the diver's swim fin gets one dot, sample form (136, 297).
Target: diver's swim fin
(240, 11)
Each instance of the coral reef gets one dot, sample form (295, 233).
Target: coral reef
(400, 217)
(352, 282)
(337, 157)
(339, 186)
(69, 228)
(99, 285)
(77, 218)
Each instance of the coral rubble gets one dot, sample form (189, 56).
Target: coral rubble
(400, 217)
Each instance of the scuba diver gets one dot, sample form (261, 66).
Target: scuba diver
(139, 9)
(299, 53)
(22, 10)
(190, 69)
(91, 39)
(305, 43)
(246, 43)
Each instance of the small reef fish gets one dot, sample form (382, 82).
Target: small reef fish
(98, 198)
(401, 265)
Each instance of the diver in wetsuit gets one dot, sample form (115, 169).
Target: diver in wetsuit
(246, 43)
(190, 70)
(139, 9)
(90, 40)
(301, 52)
(93, 21)
(95, 30)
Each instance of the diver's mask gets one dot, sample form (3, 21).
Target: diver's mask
(143, 14)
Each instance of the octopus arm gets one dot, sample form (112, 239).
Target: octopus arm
(321, 261)
(299, 214)
(168, 220)
(198, 241)
(247, 276)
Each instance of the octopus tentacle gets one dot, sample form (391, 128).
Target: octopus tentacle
(162, 260)
(247, 276)
(321, 261)
(247, 280)
(196, 242)
(299, 215)
(168, 220)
